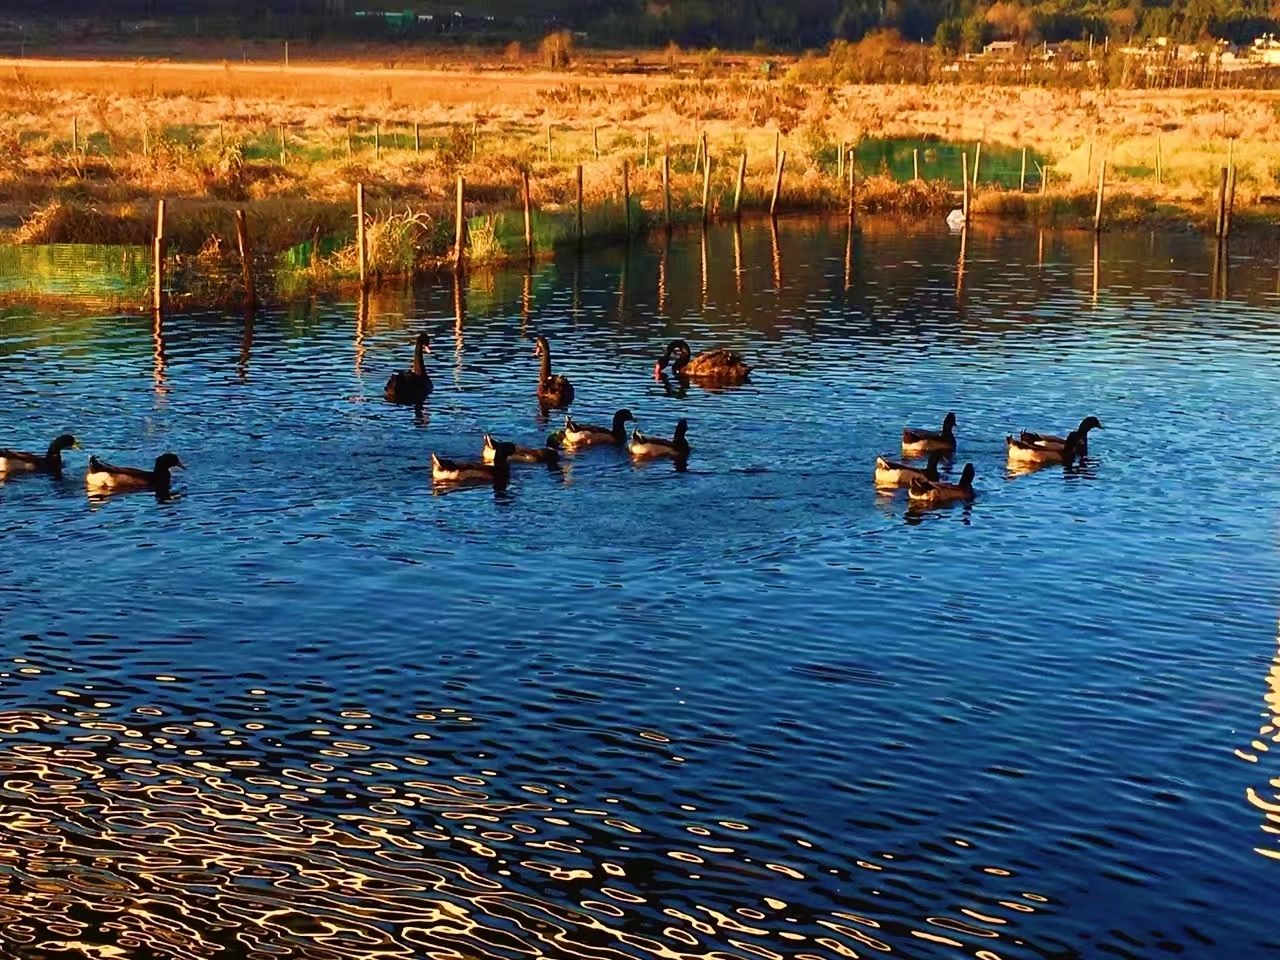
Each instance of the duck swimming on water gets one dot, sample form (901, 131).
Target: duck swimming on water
(50, 462)
(498, 473)
(519, 454)
(105, 478)
(721, 366)
(891, 473)
(411, 387)
(553, 389)
(589, 435)
(1046, 440)
(644, 447)
(916, 442)
(1035, 453)
(936, 491)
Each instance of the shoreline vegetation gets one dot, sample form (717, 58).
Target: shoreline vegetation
(87, 148)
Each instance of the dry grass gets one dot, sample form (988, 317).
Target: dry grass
(210, 132)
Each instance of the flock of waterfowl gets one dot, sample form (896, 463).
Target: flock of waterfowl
(717, 367)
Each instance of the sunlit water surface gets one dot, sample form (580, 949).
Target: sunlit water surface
(309, 709)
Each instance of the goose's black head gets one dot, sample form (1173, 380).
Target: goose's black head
(948, 423)
(540, 347)
(677, 349)
(64, 442)
(966, 477)
(168, 461)
(424, 342)
(620, 419)
(1089, 423)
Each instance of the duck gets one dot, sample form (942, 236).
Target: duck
(50, 462)
(498, 473)
(1039, 454)
(553, 389)
(647, 448)
(519, 454)
(723, 366)
(411, 387)
(936, 491)
(917, 442)
(891, 473)
(589, 435)
(955, 219)
(1050, 440)
(105, 478)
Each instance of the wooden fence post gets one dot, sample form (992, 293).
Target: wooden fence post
(706, 187)
(246, 256)
(75, 134)
(475, 138)
(737, 190)
(595, 140)
(626, 196)
(417, 137)
(362, 247)
(1231, 200)
(1022, 175)
(915, 163)
(777, 184)
(1102, 179)
(348, 141)
(548, 143)
(1220, 221)
(853, 187)
(777, 146)
(460, 227)
(158, 252)
(283, 147)
(377, 141)
(579, 207)
(964, 182)
(977, 158)
(840, 162)
(1159, 162)
(666, 190)
(528, 214)
(1044, 180)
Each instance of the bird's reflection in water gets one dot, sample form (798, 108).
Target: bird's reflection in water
(674, 387)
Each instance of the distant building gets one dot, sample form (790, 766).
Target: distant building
(1000, 48)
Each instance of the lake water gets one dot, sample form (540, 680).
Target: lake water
(306, 708)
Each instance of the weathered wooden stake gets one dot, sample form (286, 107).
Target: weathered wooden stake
(377, 141)
(417, 137)
(246, 256)
(647, 136)
(977, 158)
(475, 138)
(1102, 180)
(706, 187)
(777, 146)
(1220, 221)
(737, 190)
(626, 195)
(853, 187)
(1231, 200)
(528, 214)
(964, 182)
(158, 251)
(1159, 162)
(915, 163)
(1022, 176)
(666, 190)
(348, 141)
(595, 141)
(548, 143)
(777, 184)
(1044, 180)
(283, 153)
(75, 135)
(362, 246)
(460, 227)
(840, 162)
(146, 141)
(580, 231)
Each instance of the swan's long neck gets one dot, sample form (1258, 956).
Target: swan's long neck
(545, 364)
(418, 367)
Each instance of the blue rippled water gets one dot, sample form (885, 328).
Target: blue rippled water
(308, 708)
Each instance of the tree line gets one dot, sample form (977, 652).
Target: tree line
(956, 25)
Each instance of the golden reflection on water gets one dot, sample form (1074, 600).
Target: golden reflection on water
(1267, 799)
(139, 831)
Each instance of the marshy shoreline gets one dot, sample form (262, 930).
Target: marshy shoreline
(91, 151)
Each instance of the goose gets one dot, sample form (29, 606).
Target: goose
(647, 448)
(50, 462)
(498, 473)
(411, 387)
(553, 389)
(519, 454)
(1022, 452)
(955, 219)
(936, 491)
(589, 435)
(917, 442)
(891, 473)
(105, 478)
(1050, 440)
(723, 366)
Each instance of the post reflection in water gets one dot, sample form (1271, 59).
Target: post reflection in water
(308, 711)
(662, 271)
(160, 361)
(1097, 267)
(246, 344)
